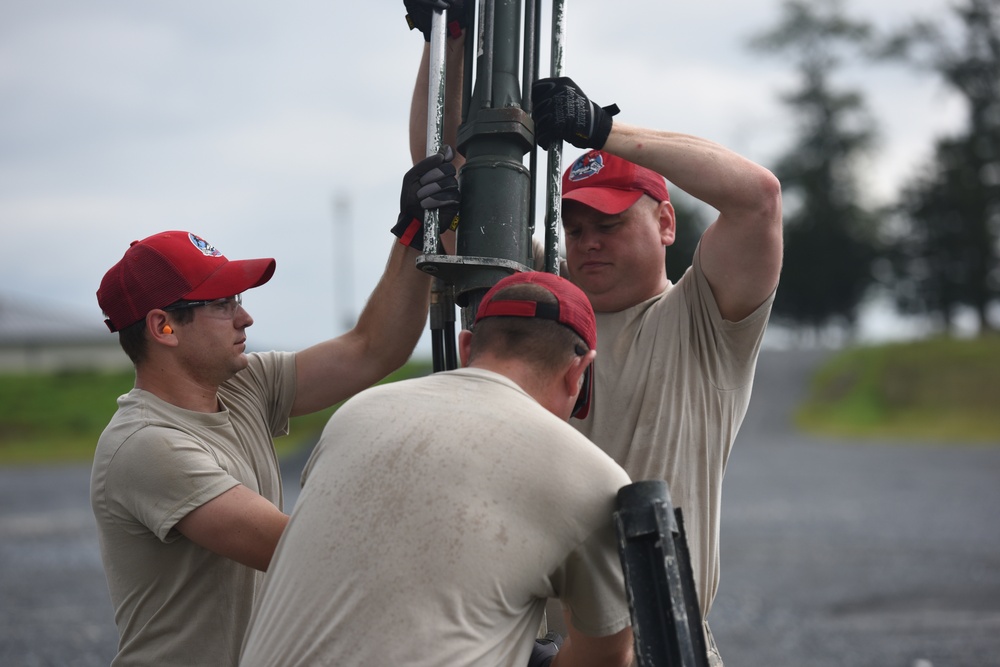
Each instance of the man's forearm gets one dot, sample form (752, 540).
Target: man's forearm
(580, 650)
(708, 171)
(394, 317)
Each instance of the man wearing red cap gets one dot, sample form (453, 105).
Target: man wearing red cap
(438, 514)
(676, 361)
(185, 484)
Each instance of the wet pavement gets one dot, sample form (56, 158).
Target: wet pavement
(834, 554)
(854, 554)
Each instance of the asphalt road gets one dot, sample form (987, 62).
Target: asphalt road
(854, 554)
(841, 554)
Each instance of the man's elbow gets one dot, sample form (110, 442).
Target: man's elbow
(769, 199)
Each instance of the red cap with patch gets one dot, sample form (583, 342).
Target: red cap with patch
(172, 266)
(610, 184)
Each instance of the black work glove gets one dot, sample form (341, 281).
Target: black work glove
(430, 183)
(562, 111)
(545, 650)
(418, 15)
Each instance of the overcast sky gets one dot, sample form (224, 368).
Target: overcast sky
(245, 122)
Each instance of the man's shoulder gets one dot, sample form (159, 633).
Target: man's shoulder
(265, 364)
(265, 372)
(137, 411)
(139, 429)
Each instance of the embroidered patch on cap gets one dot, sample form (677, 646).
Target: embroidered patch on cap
(586, 166)
(204, 246)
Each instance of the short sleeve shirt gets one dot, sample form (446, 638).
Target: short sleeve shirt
(672, 383)
(175, 602)
(436, 518)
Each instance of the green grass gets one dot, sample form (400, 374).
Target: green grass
(941, 390)
(933, 390)
(57, 418)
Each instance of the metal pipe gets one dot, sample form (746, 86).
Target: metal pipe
(435, 115)
(440, 301)
(472, 31)
(485, 72)
(553, 205)
(532, 42)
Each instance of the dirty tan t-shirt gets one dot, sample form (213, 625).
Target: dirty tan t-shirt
(436, 517)
(177, 603)
(672, 381)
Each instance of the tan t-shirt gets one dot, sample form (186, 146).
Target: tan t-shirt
(672, 381)
(175, 602)
(436, 517)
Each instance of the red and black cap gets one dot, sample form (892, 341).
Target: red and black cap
(572, 309)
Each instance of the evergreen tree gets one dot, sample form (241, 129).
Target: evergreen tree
(829, 235)
(947, 251)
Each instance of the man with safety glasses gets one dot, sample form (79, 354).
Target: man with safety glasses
(185, 486)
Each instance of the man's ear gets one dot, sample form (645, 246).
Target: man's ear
(159, 328)
(573, 377)
(668, 222)
(464, 346)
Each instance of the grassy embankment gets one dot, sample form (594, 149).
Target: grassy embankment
(58, 418)
(935, 390)
(943, 390)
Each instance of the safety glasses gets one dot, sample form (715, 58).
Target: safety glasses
(223, 309)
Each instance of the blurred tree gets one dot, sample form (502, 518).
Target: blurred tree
(947, 249)
(829, 235)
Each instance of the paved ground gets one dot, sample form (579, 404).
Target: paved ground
(854, 554)
(834, 554)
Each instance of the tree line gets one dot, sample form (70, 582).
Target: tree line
(936, 248)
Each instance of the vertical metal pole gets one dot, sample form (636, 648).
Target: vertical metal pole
(442, 307)
(435, 115)
(342, 248)
(494, 237)
(487, 35)
(553, 203)
(471, 43)
(495, 182)
(529, 75)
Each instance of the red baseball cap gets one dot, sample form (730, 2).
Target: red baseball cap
(572, 309)
(172, 266)
(609, 183)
